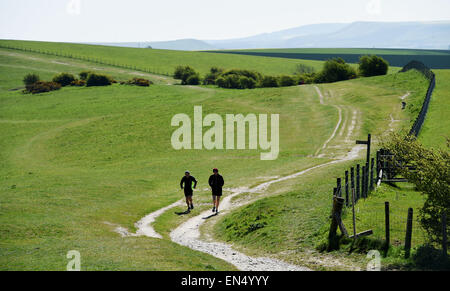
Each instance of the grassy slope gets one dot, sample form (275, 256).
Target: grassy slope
(74, 159)
(350, 51)
(296, 219)
(165, 61)
(436, 128)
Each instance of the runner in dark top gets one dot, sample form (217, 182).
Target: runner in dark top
(188, 192)
(216, 182)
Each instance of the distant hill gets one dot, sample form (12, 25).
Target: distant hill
(410, 35)
(181, 44)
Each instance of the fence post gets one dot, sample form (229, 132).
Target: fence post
(387, 225)
(352, 178)
(357, 182)
(371, 174)
(444, 234)
(408, 237)
(353, 211)
(339, 187)
(363, 182)
(346, 189)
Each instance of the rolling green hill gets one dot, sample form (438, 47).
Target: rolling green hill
(79, 162)
(161, 61)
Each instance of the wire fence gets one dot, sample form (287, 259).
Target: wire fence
(417, 126)
(107, 62)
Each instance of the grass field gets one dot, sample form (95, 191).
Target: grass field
(164, 61)
(436, 59)
(78, 162)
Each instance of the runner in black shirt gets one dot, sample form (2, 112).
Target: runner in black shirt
(216, 182)
(188, 192)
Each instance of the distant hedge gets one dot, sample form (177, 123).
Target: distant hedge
(30, 79)
(42, 87)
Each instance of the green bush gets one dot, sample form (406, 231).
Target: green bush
(30, 79)
(373, 66)
(239, 79)
(211, 77)
(246, 83)
(431, 176)
(307, 78)
(98, 80)
(184, 72)
(269, 81)
(78, 83)
(42, 87)
(286, 81)
(84, 75)
(193, 79)
(139, 82)
(65, 79)
(304, 69)
(335, 70)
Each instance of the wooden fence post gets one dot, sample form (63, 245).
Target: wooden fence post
(336, 214)
(387, 225)
(371, 174)
(408, 237)
(444, 234)
(339, 187)
(353, 211)
(346, 189)
(352, 179)
(363, 182)
(357, 182)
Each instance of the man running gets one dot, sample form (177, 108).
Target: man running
(188, 192)
(216, 182)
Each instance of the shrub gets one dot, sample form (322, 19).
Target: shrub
(373, 66)
(286, 81)
(307, 78)
(210, 78)
(246, 83)
(98, 80)
(193, 79)
(335, 70)
(84, 75)
(42, 87)
(269, 81)
(304, 69)
(183, 73)
(65, 79)
(139, 82)
(78, 83)
(431, 177)
(30, 79)
(246, 73)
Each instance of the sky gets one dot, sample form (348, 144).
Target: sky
(152, 20)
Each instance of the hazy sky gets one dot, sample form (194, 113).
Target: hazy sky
(151, 20)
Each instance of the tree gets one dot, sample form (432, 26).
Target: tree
(183, 73)
(30, 79)
(335, 70)
(431, 176)
(373, 66)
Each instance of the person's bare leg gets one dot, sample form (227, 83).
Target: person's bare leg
(190, 201)
(217, 203)
(187, 202)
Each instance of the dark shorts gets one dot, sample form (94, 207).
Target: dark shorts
(188, 193)
(217, 193)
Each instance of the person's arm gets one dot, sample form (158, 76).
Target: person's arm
(222, 182)
(210, 181)
(195, 183)
(181, 183)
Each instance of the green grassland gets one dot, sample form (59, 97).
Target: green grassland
(77, 162)
(436, 129)
(357, 51)
(164, 61)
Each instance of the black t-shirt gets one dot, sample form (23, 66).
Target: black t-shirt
(187, 181)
